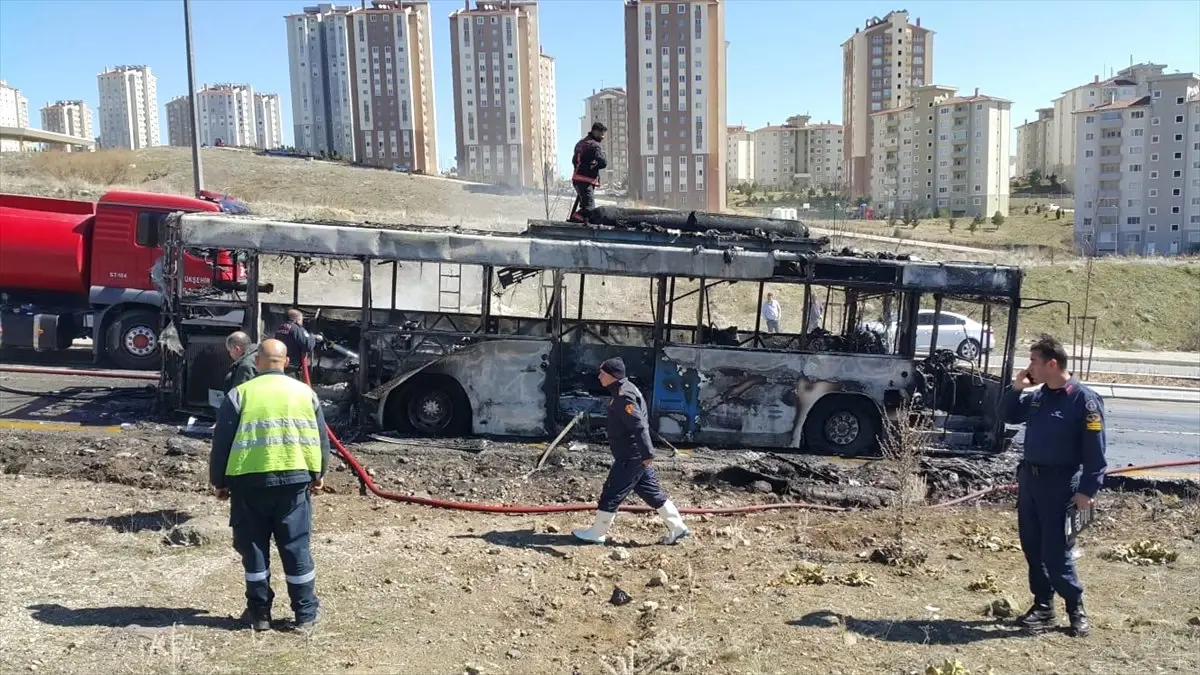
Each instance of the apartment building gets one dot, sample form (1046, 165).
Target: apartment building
(609, 106)
(943, 152)
(179, 122)
(394, 124)
(1138, 171)
(268, 121)
(14, 112)
(798, 155)
(497, 65)
(73, 118)
(549, 104)
(675, 82)
(128, 108)
(321, 70)
(1033, 144)
(227, 116)
(1126, 85)
(881, 63)
(739, 155)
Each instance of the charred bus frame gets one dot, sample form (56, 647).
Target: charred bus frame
(522, 376)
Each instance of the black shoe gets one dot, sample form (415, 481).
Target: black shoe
(257, 622)
(305, 626)
(1039, 617)
(1080, 626)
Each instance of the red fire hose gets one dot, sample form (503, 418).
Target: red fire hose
(366, 479)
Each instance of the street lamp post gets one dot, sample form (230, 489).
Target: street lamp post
(197, 169)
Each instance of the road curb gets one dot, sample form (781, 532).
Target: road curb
(1145, 393)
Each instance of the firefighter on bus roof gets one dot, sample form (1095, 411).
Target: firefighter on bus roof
(633, 460)
(588, 161)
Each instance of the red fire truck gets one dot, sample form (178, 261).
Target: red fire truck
(75, 269)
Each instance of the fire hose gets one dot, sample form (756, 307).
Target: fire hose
(369, 483)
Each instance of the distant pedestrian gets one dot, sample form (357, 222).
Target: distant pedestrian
(771, 312)
(299, 342)
(270, 451)
(816, 312)
(633, 460)
(1063, 465)
(242, 352)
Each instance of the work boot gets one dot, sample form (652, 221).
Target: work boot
(1080, 626)
(596, 533)
(676, 530)
(1039, 617)
(258, 623)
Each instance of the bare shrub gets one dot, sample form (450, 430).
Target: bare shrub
(103, 167)
(902, 448)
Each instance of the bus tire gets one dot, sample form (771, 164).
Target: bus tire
(434, 405)
(842, 424)
(133, 342)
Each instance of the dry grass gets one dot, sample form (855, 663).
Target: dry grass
(406, 589)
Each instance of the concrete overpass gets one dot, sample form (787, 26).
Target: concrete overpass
(39, 136)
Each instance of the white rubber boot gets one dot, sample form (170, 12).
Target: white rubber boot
(596, 533)
(676, 530)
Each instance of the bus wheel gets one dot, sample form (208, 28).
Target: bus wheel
(431, 406)
(133, 340)
(843, 425)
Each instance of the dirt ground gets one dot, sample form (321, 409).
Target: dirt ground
(115, 559)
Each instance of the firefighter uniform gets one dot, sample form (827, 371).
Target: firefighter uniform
(588, 161)
(269, 444)
(629, 439)
(300, 343)
(1064, 455)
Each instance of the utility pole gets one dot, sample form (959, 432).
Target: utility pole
(197, 169)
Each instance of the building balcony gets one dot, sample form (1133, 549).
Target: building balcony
(1106, 141)
(1108, 194)
(1108, 210)
(1110, 175)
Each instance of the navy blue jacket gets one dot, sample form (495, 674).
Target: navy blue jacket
(228, 418)
(299, 342)
(588, 161)
(1063, 427)
(628, 423)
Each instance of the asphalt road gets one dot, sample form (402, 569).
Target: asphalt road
(1142, 432)
(1180, 370)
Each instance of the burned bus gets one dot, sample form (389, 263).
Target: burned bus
(829, 384)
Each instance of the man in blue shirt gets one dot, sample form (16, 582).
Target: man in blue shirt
(1064, 433)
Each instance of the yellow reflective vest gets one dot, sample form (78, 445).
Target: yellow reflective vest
(277, 428)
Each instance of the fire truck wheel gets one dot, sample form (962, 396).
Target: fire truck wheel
(133, 340)
(842, 425)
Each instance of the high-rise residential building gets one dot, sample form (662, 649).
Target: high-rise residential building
(128, 108)
(391, 50)
(1137, 171)
(943, 152)
(881, 63)
(1034, 139)
(496, 61)
(179, 122)
(14, 112)
(549, 105)
(268, 121)
(321, 69)
(608, 106)
(73, 118)
(675, 81)
(739, 156)
(1128, 84)
(226, 114)
(798, 155)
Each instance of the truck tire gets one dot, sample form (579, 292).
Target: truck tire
(133, 340)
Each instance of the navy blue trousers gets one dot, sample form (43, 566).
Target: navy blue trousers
(1041, 520)
(628, 475)
(285, 513)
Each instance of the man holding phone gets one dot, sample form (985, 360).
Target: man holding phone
(1063, 465)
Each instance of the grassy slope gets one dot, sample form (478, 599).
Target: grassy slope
(1140, 305)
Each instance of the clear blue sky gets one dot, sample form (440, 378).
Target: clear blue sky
(784, 55)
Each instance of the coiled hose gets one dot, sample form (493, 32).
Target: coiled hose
(357, 468)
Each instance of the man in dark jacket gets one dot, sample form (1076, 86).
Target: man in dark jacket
(633, 460)
(588, 161)
(300, 343)
(270, 449)
(241, 351)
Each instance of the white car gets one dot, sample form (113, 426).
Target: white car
(958, 333)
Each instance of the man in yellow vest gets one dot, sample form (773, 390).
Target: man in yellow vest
(270, 450)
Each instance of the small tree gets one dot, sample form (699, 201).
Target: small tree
(891, 220)
(978, 219)
(998, 219)
(953, 221)
(974, 225)
(903, 447)
(1058, 214)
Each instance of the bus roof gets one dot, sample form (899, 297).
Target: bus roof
(589, 253)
